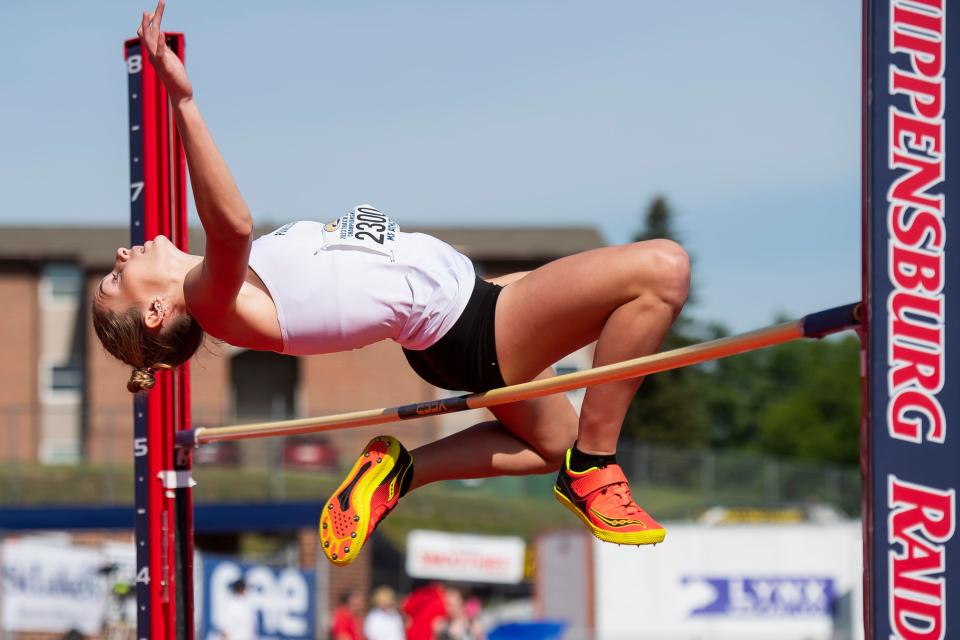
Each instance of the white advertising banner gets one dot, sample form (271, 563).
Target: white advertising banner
(465, 558)
(799, 581)
(52, 588)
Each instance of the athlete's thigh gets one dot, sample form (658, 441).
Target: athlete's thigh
(562, 306)
(548, 424)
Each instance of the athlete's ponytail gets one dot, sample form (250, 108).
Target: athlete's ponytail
(126, 337)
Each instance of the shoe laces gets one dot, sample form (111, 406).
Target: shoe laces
(620, 498)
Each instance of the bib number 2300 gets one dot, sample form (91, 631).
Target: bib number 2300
(363, 228)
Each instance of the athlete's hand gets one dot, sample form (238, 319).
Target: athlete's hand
(167, 64)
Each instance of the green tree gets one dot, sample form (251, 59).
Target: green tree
(816, 413)
(800, 400)
(735, 390)
(657, 221)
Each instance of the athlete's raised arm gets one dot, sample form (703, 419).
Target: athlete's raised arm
(225, 217)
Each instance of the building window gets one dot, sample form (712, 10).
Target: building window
(64, 281)
(67, 377)
(264, 385)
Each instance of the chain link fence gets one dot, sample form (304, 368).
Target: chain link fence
(679, 483)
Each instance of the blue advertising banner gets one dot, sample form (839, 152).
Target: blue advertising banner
(913, 461)
(246, 601)
(765, 596)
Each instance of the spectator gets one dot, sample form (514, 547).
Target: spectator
(346, 617)
(423, 607)
(457, 624)
(472, 607)
(238, 620)
(383, 621)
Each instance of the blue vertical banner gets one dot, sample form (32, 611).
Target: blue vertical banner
(912, 288)
(242, 600)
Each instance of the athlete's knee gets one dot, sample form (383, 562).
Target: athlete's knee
(676, 287)
(553, 449)
(670, 277)
(554, 456)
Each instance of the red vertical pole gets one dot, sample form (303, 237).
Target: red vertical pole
(182, 538)
(163, 500)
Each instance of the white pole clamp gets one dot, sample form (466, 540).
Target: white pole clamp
(176, 479)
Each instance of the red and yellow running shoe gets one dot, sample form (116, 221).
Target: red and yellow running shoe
(364, 498)
(600, 496)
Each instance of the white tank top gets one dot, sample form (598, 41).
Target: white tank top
(359, 280)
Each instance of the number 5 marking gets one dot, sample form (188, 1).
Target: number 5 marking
(137, 188)
(139, 447)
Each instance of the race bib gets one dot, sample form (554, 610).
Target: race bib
(363, 228)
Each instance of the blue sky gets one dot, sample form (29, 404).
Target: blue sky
(745, 114)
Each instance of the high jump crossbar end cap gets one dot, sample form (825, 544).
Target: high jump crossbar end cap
(829, 321)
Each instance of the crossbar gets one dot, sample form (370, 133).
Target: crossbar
(814, 325)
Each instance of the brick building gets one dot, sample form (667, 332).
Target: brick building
(63, 400)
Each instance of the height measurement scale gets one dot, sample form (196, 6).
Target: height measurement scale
(163, 500)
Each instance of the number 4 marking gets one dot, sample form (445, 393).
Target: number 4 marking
(143, 576)
(137, 188)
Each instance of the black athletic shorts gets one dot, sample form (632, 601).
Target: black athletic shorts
(465, 358)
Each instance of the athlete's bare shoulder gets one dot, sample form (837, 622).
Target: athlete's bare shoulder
(250, 322)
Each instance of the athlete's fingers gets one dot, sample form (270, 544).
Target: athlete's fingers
(158, 13)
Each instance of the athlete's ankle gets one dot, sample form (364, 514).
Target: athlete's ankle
(406, 483)
(581, 461)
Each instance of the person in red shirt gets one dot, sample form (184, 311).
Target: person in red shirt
(347, 624)
(423, 607)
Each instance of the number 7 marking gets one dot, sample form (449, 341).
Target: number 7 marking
(137, 190)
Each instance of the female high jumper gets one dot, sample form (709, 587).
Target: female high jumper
(310, 288)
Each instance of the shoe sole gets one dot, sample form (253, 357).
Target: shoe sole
(342, 550)
(650, 536)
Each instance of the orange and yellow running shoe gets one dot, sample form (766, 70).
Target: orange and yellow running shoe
(600, 496)
(364, 498)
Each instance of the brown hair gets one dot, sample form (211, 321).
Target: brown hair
(127, 338)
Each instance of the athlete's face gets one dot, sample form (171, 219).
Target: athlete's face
(140, 276)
